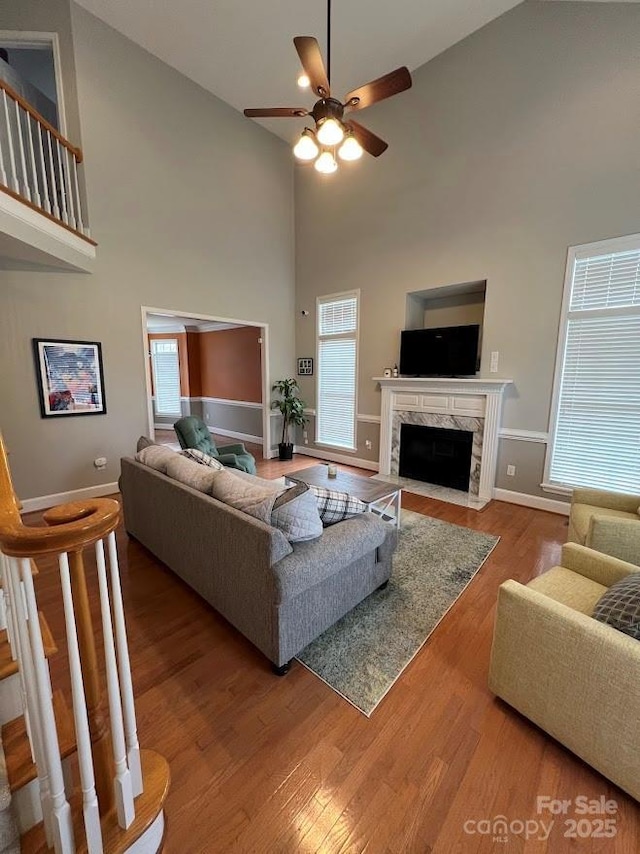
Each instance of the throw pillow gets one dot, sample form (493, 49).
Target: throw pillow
(202, 458)
(335, 506)
(620, 606)
(295, 513)
(191, 473)
(156, 457)
(252, 498)
(144, 442)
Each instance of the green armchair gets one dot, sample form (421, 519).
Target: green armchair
(192, 432)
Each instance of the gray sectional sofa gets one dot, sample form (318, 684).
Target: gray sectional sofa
(280, 596)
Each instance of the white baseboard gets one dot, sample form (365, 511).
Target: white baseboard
(45, 501)
(535, 501)
(233, 434)
(163, 426)
(336, 458)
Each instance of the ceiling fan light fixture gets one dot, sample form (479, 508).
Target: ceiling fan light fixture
(303, 80)
(330, 132)
(350, 149)
(326, 163)
(306, 147)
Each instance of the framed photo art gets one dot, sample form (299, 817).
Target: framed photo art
(70, 377)
(305, 367)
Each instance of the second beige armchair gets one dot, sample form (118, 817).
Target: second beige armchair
(608, 522)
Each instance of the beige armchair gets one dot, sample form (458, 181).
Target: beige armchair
(608, 522)
(576, 678)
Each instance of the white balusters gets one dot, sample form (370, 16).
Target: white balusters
(124, 665)
(26, 189)
(35, 193)
(3, 173)
(12, 156)
(61, 823)
(85, 761)
(123, 784)
(43, 170)
(62, 183)
(52, 173)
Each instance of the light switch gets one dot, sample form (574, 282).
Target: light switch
(495, 356)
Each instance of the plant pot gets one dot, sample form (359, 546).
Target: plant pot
(285, 451)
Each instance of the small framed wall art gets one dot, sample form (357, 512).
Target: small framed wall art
(70, 377)
(305, 367)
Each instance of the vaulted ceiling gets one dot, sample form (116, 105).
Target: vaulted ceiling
(242, 51)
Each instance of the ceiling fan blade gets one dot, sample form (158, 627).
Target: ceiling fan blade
(368, 140)
(277, 113)
(384, 87)
(313, 64)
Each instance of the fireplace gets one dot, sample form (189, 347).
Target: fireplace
(436, 455)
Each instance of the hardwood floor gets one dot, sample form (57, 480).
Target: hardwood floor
(262, 764)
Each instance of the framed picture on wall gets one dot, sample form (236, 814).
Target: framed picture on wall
(305, 367)
(70, 377)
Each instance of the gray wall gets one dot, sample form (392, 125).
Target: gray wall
(514, 144)
(192, 208)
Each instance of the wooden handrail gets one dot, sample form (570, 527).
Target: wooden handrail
(76, 152)
(69, 527)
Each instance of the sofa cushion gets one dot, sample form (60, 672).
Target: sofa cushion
(335, 506)
(144, 442)
(569, 588)
(581, 517)
(253, 498)
(620, 606)
(201, 458)
(295, 513)
(191, 473)
(156, 457)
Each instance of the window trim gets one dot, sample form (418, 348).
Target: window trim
(154, 371)
(345, 335)
(575, 253)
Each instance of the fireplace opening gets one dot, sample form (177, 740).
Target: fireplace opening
(436, 455)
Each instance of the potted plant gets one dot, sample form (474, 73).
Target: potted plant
(291, 407)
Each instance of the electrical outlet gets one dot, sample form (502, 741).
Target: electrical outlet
(305, 434)
(306, 441)
(495, 356)
(511, 470)
(100, 462)
(368, 444)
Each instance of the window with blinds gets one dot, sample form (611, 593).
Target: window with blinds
(596, 428)
(337, 357)
(165, 365)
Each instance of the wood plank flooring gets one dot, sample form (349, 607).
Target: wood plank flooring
(262, 764)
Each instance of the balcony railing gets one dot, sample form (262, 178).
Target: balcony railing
(38, 166)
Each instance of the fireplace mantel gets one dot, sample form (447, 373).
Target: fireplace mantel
(477, 398)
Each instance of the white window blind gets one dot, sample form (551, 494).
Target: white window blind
(596, 440)
(337, 369)
(165, 364)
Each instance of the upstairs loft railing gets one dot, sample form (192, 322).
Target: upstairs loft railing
(38, 166)
(121, 792)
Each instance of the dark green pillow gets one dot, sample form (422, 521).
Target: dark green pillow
(619, 607)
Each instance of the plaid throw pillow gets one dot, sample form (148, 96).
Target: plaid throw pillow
(202, 458)
(620, 606)
(335, 506)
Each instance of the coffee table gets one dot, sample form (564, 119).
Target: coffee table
(381, 498)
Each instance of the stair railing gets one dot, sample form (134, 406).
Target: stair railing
(37, 164)
(108, 756)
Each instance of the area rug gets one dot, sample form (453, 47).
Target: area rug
(364, 653)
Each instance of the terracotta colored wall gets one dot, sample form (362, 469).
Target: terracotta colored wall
(193, 355)
(230, 364)
(183, 359)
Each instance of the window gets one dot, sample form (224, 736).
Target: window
(595, 426)
(337, 370)
(166, 375)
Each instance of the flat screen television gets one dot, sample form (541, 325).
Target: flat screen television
(446, 352)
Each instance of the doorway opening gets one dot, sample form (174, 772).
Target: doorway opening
(30, 64)
(213, 367)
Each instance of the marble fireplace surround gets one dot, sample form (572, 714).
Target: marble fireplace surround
(472, 404)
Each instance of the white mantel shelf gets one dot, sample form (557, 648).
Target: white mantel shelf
(474, 401)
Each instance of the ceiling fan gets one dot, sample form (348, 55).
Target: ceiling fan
(333, 133)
